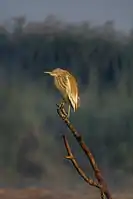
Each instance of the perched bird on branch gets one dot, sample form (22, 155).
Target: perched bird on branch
(68, 87)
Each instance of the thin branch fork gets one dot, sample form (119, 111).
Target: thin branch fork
(75, 164)
(104, 189)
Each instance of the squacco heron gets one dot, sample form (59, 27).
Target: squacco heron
(68, 87)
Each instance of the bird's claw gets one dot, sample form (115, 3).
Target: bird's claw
(61, 106)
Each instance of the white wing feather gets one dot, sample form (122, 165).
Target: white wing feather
(73, 99)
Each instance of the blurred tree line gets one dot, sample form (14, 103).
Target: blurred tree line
(101, 59)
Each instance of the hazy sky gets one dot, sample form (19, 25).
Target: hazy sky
(97, 11)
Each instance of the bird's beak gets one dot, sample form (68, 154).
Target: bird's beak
(48, 73)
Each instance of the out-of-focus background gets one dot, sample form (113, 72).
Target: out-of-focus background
(94, 41)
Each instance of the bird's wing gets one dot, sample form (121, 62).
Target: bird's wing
(72, 91)
(68, 87)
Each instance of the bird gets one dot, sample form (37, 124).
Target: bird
(66, 83)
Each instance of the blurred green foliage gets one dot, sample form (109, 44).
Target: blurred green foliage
(103, 65)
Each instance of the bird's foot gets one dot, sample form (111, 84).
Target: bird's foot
(62, 108)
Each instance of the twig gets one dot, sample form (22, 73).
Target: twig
(98, 175)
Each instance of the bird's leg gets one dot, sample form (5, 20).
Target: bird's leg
(69, 109)
(61, 105)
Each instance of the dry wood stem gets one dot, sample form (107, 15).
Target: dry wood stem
(101, 183)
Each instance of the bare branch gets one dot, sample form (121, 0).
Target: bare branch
(98, 175)
(75, 164)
